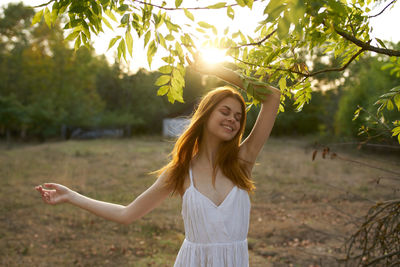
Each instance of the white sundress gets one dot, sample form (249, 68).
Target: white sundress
(215, 236)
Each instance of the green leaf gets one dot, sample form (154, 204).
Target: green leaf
(171, 26)
(226, 30)
(178, 49)
(47, 17)
(169, 37)
(162, 40)
(105, 21)
(85, 28)
(95, 7)
(214, 30)
(241, 3)
(113, 41)
(250, 4)
(163, 79)
(396, 100)
(129, 42)
(283, 27)
(217, 5)
(188, 14)
(110, 15)
(381, 42)
(167, 69)
(178, 3)
(147, 38)
(123, 8)
(204, 24)
(38, 17)
(77, 43)
(72, 36)
(389, 105)
(78, 8)
(122, 49)
(168, 60)
(230, 12)
(125, 19)
(163, 90)
(151, 52)
(282, 83)
(396, 131)
(178, 77)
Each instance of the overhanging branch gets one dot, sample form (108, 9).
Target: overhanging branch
(182, 8)
(366, 46)
(306, 75)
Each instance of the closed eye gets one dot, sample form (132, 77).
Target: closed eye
(225, 112)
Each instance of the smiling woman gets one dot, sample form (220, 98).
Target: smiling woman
(210, 169)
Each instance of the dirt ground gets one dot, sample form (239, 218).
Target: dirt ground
(302, 211)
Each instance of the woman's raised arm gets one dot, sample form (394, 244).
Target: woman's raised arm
(251, 147)
(143, 204)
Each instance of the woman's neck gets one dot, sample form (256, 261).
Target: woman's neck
(208, 150)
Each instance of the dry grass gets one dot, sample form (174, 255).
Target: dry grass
(301, 212)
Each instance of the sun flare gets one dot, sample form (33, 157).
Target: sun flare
(213, 55)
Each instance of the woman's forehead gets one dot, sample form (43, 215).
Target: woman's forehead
(231, 103)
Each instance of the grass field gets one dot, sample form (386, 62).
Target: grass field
(301, 212)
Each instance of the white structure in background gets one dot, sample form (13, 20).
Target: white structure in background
(174, 127)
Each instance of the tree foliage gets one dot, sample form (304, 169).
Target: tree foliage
(340, 28)
(367, 82)
(47, 86)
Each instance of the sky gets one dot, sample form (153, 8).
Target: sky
(383, 27)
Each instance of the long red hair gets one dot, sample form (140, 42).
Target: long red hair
(187, 146)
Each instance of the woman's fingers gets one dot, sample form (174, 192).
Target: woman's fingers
(51, 185)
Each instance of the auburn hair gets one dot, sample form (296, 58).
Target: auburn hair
(187, 146)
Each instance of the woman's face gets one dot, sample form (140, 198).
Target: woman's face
(224, 120)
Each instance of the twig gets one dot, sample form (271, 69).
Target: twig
(364, 144)
(391, 3)
(306, 75)
(366, 164)
(45, 4)
(182, 8)
(255, 43)
(383, 257)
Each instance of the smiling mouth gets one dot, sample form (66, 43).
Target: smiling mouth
(228, 128)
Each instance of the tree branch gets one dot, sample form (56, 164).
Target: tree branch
(256, 43)
(181, 8)
(334, 155)
(391, 3)
(306, 75)
(45, 4)
(366, 46)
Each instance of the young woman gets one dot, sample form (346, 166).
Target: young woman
(211, 171)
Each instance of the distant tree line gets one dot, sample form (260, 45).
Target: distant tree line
(47, 86)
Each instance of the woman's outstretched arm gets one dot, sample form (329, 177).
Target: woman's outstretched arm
(150, 199)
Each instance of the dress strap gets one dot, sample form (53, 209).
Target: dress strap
(191, 176)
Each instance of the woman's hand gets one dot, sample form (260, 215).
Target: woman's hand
(56, 193)
(202, 66)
